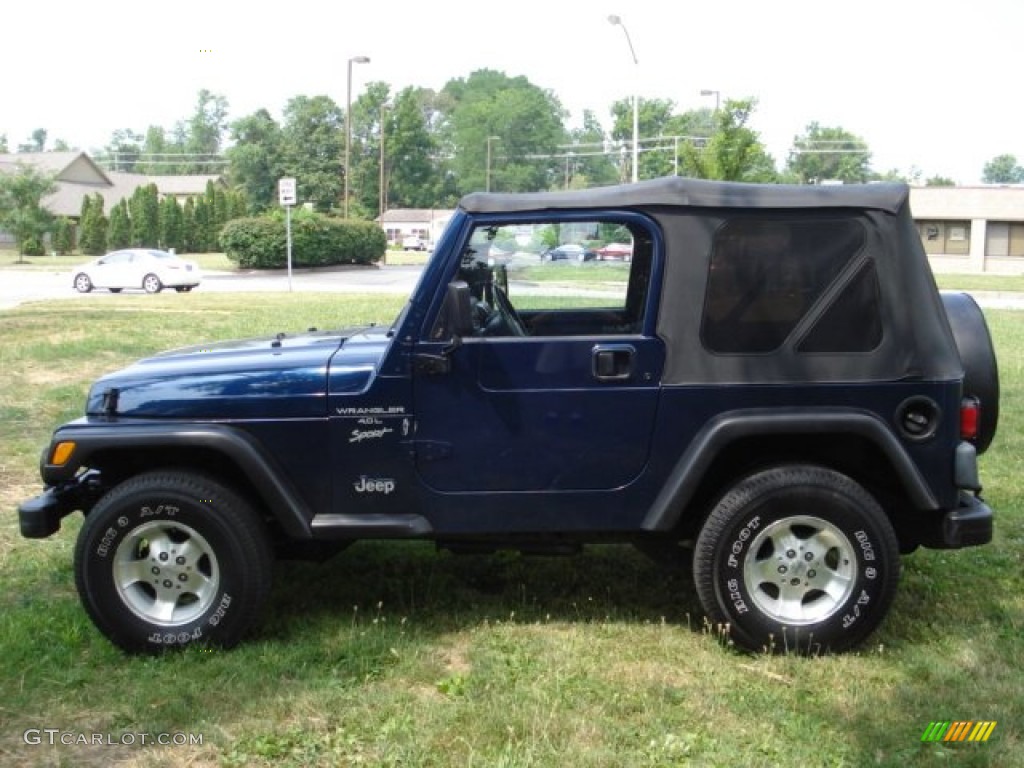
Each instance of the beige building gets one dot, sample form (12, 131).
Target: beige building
(971, 229)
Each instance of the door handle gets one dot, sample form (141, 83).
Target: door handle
(613, 362)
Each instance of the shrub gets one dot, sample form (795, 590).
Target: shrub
(317, 240)
(32, 246)
(63, 236)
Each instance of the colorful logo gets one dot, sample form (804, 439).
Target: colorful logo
(959, 730)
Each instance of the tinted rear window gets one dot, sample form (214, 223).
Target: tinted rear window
(765, 276)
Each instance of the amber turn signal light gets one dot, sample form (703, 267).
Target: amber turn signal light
(61, 453)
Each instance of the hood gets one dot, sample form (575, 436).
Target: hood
(277, 377)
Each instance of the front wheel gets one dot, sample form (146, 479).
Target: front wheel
(82, 283)
(171, 558)
(797, 558)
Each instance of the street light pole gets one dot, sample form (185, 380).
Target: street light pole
(716, 94)
(383, 183)
(617, 21)
(348, 121)
(489, 140)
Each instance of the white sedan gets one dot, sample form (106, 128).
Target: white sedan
(145, 268)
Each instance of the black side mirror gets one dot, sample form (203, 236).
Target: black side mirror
(457, 313)
(454, 322)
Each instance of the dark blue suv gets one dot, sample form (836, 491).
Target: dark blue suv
(771, 382)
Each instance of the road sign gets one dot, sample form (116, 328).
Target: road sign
(286, 191)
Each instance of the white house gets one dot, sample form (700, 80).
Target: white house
(425, 223)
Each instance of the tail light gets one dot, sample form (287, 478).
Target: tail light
(970, 415)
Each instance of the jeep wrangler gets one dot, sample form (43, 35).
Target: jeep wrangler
(773, 381)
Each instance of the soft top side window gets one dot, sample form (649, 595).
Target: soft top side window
(557, 278)
(767, 273)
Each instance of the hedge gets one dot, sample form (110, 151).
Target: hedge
(317, 240)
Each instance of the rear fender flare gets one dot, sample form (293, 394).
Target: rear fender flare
(720, 432)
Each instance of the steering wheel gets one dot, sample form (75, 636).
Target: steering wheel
(503, 320)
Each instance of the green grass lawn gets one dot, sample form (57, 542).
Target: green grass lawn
(394, 655)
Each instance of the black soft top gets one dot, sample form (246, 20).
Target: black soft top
(916, 339)
(697, 193)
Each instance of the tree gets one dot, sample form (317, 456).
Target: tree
(123, 150)
(410, 167)
(21, 207)
(368, 114)
(119, 235)
(217, 214)
(171, 224)
(826, 154)
(662, 134)
(144, 209)
(237, 204)
(733, 153)
(589, 164)
(93, 226)
(3, 144)
(36, 143)
(528, 124)
(63, 239)
(201, 225)
(939, 181)
(205, 131)
(255, 159)
(188, 227)
(314, 147)
(653, 117)
(1003, 169)
(157, 153)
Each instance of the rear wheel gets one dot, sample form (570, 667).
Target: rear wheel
(82, 283)
(797, 558)
(151, 284)
(171, 558)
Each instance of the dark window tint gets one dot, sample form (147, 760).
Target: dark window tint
(766, 274)
(853, 322)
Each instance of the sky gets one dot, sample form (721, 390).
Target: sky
(930, 85)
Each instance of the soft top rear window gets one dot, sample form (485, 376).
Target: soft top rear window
(767, 273)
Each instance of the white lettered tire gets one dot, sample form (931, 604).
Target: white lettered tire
(172, 558)
(797, 558)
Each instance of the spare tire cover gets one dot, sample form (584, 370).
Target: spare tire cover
(981, 373)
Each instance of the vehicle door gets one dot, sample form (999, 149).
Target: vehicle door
(551, 381)
(113, 270)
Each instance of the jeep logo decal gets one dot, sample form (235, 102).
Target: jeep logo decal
(366, 484)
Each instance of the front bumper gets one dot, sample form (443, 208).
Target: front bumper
(969, 525)
(40, 516)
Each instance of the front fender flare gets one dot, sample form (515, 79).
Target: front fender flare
(285, 504)
(720, 432)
